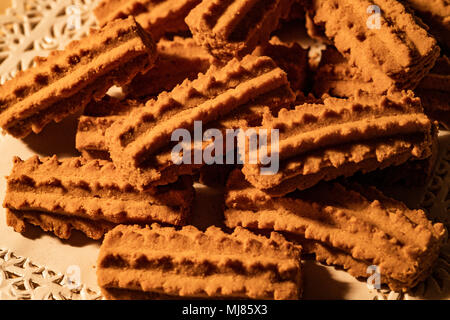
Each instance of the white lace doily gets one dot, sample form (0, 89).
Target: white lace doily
(33, 28)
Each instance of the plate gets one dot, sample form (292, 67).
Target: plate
(37, 265)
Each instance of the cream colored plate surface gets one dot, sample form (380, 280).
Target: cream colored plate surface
(37, 265)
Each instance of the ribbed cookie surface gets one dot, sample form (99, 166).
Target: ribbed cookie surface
(164, 262)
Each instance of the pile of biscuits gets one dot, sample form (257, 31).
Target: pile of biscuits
(365, 113)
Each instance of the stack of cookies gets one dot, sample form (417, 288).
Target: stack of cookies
(220, 65)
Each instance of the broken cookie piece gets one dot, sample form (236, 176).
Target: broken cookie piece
(98, 116)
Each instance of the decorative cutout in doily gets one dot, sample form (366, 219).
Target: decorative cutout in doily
(21, 279)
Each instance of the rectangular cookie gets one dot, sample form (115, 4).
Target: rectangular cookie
(350, 226)
(234, 96)
(178, 59)
(156, 17)
(340, 137)
(399, 46)
(164, 263)
(230, 28)
(92, 142)
(90, 196)
(66, 81)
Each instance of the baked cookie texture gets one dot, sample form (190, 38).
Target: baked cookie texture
(61, 226)
(90, 196)
(235, 28)
(340, 137)
(97, 117)
(350, 226)
(233, 73)
(291, 58)
(434, 91)
(337, 77)
(436, 14)
(156, 17)
(178, 59)
(163, 262)
(345, 24)
(234, 96)
(66, 81)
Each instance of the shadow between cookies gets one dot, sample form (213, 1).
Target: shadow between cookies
(56, 139)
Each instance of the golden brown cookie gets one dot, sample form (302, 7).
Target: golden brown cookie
(434, 91)
(411, 173)
(66, 81)
(337, 77)
(157, 262)
(82, 194)
(98, 116)
(350, 226)
(340, 137)
(234, 96)
(156, 17)
(394, 41)
(436, 14)
(290, 57)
